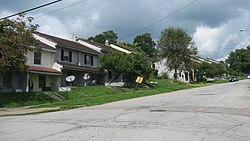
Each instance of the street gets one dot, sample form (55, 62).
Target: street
(219, 112)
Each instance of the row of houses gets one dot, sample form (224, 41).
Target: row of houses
(59, 58)
(184, 76)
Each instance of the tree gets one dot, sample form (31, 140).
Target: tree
(141, 65)
(177, 47)
(117, 63)
(122, 63)
(146, 43)
(211, 70)
(239, 61)
(109, 35)
(15, 41)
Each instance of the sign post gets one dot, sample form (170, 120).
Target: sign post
(138, 81)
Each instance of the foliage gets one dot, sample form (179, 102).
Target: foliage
(141, 65)
(15, 40)
(121, 63)
(129, 45)
(211, 70)
(146, 43)
(117, 63)
(177, 47)
(109, 35)
(239, 61)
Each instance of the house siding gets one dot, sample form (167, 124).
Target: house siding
(47, 59)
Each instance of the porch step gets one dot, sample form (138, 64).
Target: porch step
(55, 95)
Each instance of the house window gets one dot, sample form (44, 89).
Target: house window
(66, 55)
(37, 58)
(88, 60)
(42, 81)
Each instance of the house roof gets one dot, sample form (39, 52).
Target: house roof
(67, 65)
(99, 45)
(207, 60)
(126, 48)
(43, 45)
(41, 69)
(66, 43)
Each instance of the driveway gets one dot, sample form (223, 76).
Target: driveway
(214, 113)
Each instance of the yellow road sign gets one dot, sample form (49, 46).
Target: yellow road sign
(139, 79)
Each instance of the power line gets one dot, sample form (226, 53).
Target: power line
(25, 11)
(61, 8)
(150, 25)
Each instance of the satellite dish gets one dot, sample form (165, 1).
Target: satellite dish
(70, 78)
(86, 76)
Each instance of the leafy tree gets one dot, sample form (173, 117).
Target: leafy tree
(211, 70)
(146, 43)
(117, 63)
(141, 65)
(109, 35)
(15, 40)
(239, 61)
(129, 45)
(121, 63)
(177, 47)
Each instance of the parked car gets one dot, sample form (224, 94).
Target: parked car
(233, 78)
(248, 77)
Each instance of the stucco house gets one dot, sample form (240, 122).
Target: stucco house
(184, 76)
(74, 59)
(102, 49)
(161, 68)
(41, 74)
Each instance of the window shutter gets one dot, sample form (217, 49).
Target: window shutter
(62, 54)
(85, 59)
(70, 56)
(92, 61)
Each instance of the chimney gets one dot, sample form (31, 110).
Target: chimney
(74, 37)
(107, 43)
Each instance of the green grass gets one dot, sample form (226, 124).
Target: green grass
(24, 99)
(90, 95)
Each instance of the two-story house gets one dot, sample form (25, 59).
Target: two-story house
(184, 76)
(41, 72)
(75, 59)
(103, 49)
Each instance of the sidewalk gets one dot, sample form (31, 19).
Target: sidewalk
(22, 110)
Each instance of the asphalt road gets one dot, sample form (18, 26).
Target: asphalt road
(213, 113)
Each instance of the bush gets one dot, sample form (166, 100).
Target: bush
(164, 76)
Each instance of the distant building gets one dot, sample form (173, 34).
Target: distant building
(184, 76)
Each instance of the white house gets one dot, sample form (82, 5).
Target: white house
(102, 49)
(76, 59)
(41, 75)
(161, 68)
(184, 76)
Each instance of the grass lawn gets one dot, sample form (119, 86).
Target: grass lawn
(89, 96)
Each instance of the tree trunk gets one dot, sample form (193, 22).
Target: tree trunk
(175, 74)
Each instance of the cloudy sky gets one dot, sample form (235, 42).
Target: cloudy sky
(214, 24)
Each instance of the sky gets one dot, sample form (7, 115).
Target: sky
(214, 24)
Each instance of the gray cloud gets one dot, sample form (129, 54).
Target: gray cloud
(221, 19)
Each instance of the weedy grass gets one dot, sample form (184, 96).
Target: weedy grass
(91, 95)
